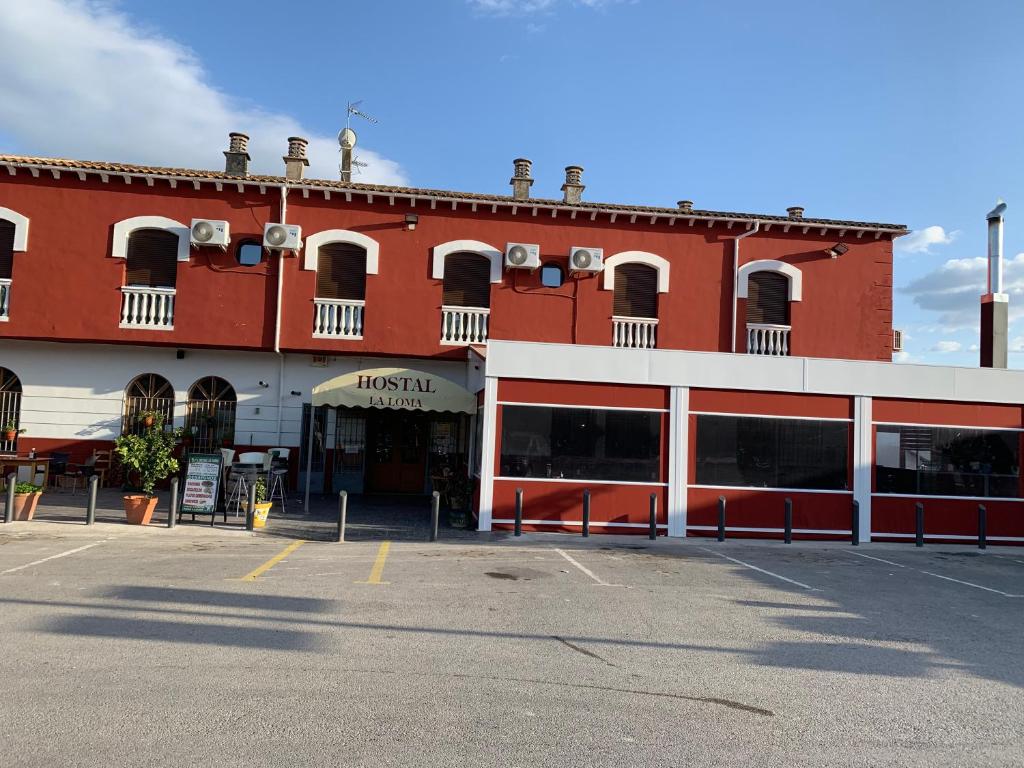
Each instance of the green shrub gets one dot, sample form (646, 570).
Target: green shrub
(27, 488)
(150, 453)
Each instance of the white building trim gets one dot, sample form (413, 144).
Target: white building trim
(678, 459)
(636, 257)
(489, 252)
(20, 227)
(863, 462)
(796, 278)
(327, 236)
(125, 227)
(489, 438)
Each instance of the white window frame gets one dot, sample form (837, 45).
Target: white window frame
(124, 228)
(660, 264)
(20, 223)
(489, 252)
(315, 241)
(794, 274)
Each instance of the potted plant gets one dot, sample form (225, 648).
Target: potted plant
(148, 418)
(26, 498)
(11, 431)
(151, 454)
(259, 518)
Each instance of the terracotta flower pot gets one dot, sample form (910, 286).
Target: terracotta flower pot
(25, 505)
(139, 509)
(10, 435)
(147, 421)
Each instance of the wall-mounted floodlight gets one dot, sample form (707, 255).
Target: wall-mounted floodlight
(837, 250)
(411, 220)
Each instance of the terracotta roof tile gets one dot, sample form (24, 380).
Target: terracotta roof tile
(191, 173)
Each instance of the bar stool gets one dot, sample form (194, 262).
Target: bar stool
(278, 476)
(239, 493)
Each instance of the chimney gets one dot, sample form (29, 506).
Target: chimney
(686, 206)
(995, 304)
(295, 160)
(236, 157)
(573, 187)
(795, 212)
(521, 181)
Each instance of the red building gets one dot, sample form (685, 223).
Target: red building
(707, 334)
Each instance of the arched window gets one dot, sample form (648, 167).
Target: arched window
(210, 414)
(6, 249)
(635, 291)
(10, 408)
(768, 298)
(467, 281)
(341, 272)
(152, 258)
(148, 393)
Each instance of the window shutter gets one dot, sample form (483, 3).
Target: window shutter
(341, 272)
(467, 280)
(152, 258)
(768, 298)
(636, 291)
(6, 248)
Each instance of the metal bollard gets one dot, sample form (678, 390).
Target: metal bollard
(90, 508)
(855, 524)
(788, 535)
(435, 514)
(342, 514)
(250, 508)
(982, 526)
(919, 524)
(519, 512)
(12, 480)
(172, 515)
(653, 535)
(721, 518)
(586, 512)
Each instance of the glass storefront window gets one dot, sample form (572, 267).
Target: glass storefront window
(748, 451)
(580, 443)
(947, 461)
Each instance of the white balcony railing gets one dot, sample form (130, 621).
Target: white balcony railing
(464, 325)
(5, 299)
(145, 307)
(764, 339)
(634, 332)
(338, 318)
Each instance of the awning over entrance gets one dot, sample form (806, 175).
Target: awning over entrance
(394, 388)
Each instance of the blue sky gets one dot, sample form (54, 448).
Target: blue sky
(883, 111)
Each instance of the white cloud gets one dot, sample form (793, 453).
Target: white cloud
(921, 240)
(954, 290)
(84, 81)
(945, 347)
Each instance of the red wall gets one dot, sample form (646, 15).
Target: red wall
(747, 508)
(561, 501)
(66, 284)
(955, 517)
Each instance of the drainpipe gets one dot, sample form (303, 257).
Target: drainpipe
(736, 274)
(277, 317)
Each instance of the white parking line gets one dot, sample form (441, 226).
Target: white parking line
(762, 570)
(585, 570)
(878, 559)
(969, 584)
(53, 557)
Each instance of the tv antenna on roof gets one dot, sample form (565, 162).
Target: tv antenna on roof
(347, 140)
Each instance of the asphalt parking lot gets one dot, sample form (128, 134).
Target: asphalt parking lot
(200, 646)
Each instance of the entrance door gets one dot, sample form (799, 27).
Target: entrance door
(397, 460)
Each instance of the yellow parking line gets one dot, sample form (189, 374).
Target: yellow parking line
(253, 575)
(378, 565)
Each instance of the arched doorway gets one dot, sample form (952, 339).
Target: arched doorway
(210, 414)
(148, 392)
(10, 407)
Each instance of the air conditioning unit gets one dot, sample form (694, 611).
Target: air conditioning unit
(586, 260)
(210, 232)
(522, 256)
(897, 340)
(282, 237)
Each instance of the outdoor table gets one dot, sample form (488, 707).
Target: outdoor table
(37, 464)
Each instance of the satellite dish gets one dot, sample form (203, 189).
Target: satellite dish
(277, 235)
(517, 255)
(347, 138)
(202, 232)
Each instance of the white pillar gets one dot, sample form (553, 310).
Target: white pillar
(863, 462)
(488, 452)
(678, 458)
